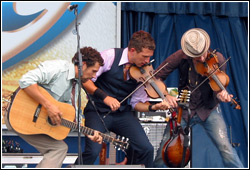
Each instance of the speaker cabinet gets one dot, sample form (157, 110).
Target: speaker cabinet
(154, 131)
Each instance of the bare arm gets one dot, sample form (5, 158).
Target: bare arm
(90, 86)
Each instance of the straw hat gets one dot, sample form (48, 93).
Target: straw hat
(195, 42)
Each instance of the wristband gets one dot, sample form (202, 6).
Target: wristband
(100, 94)
(150, 108)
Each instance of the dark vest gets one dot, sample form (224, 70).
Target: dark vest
(112, 83)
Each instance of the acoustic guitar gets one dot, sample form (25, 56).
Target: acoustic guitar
(26, 116)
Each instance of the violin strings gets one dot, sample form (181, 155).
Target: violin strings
(210, 75)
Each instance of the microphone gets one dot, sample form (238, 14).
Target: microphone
(71, 7)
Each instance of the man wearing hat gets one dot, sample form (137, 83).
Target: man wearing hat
(204, 102)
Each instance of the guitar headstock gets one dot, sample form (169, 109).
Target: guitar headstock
(121, 143)
(184, 98)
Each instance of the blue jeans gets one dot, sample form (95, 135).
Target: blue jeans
(216, 129)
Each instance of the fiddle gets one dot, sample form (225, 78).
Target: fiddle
(218, 80)
(145, 75)
(153, 87)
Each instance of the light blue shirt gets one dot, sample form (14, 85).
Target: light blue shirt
(55, 76)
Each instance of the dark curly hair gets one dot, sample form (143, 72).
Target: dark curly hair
(141, 39)
(90, 56)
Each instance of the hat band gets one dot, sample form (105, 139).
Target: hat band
(194, 51)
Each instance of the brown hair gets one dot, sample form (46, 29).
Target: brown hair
(89, 55)
(141, 39)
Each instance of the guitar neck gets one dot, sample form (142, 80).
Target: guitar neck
(179, 115)
(85, 130)
(183, 103)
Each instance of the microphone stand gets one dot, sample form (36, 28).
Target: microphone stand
(79, 87)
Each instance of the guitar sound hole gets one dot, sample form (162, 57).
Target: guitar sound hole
(50, 122)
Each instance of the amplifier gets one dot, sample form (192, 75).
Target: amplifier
(158, 116)
(154, 131)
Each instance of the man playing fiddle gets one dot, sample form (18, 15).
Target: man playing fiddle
(109, 88)
(204, 102)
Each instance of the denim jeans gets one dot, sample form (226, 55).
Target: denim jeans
(215, 128)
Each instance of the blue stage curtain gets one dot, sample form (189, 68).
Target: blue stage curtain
(226, 23)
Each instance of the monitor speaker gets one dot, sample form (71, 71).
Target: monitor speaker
(154, 131)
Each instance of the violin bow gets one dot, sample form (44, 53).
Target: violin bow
(139, 86)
